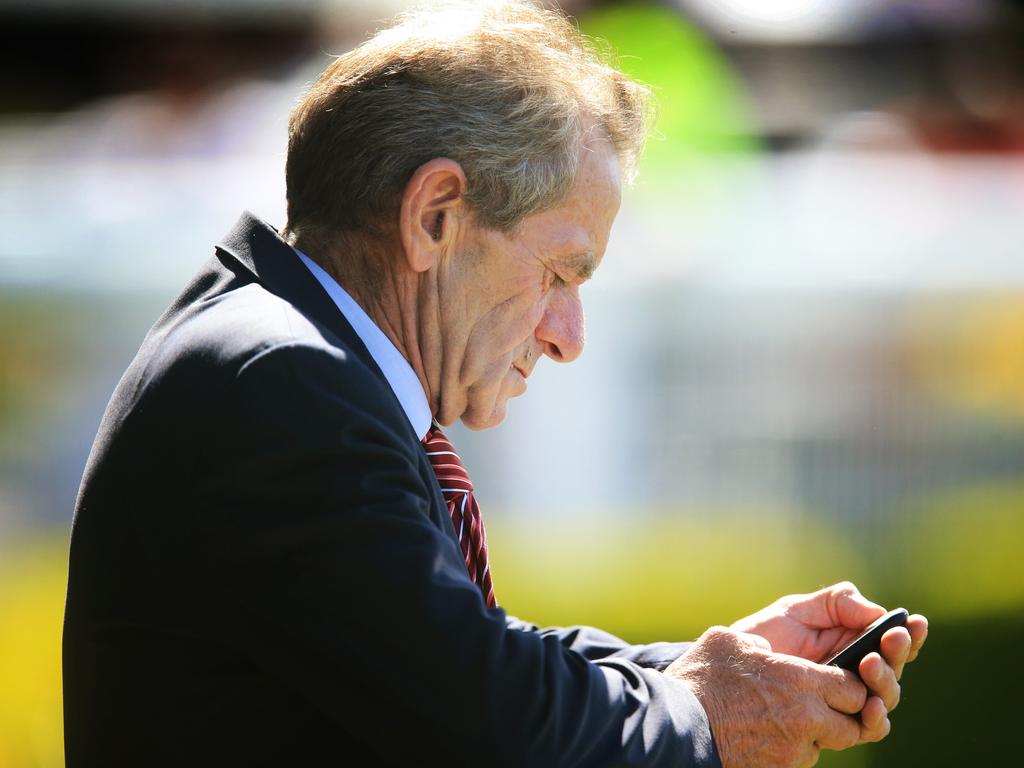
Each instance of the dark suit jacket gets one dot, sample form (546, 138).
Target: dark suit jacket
(263, 570)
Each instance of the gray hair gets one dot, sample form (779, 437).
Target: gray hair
(508, 90)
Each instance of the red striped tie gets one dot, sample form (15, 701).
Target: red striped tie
(458, 493)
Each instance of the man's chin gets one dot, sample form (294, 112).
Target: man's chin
(486, 419)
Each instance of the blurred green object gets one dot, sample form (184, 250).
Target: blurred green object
(702, 106)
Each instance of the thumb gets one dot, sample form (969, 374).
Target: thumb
(850, 607)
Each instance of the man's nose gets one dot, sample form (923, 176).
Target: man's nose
(562, 327)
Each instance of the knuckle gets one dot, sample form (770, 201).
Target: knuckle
(720, 643)
(718, 638)
(847, 688)
(852, 734)
(880, 732)
(846, 736)
(894, 698)
(796, 676)
(846, 678)
(717, 633)
(845, 587)
(889, 676)
(869, 735)
(859, 695)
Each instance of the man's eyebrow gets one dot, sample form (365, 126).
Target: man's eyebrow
(583, 263)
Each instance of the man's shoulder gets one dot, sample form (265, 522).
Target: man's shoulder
(224, 328)
(231, 328)
(219, 329)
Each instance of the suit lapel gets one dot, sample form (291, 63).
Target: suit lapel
(257, 248)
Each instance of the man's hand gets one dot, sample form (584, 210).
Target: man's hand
(770, 709)
(819, 625)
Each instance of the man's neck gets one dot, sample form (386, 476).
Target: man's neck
(390, 299)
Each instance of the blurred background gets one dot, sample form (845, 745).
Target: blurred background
(806, 342)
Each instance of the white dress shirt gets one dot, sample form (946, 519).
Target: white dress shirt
(396, 369)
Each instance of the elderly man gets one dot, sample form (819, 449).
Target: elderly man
(277, 558)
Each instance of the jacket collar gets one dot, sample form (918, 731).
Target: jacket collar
(259, 249)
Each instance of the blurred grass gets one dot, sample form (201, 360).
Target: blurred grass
(668, 575)
(954, 557)
(33, 578)
(951, 556)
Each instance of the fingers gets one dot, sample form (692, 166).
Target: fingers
(874, 720)
(881, 678)
(902, 644)
(845, 728)
(839, 731)
(917, 626)
(840, 689)
(895, 648)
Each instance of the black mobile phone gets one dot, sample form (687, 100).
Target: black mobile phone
(870, 640)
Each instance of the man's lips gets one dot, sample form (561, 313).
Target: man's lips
(524, 373)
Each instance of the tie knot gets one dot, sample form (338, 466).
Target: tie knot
(451, 474)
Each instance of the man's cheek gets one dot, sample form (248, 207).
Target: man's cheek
(526, 322)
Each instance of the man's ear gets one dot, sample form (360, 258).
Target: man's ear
(431, 207)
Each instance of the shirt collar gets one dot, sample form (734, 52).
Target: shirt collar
(396, 369)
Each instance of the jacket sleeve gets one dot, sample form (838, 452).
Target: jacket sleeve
(330, 577)
(595, 644)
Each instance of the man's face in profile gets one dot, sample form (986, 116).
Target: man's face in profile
(509, 298)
